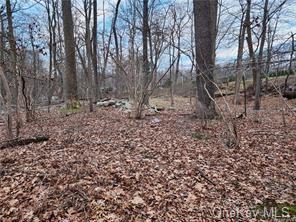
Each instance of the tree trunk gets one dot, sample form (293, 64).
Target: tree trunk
(50, 46)
(172, 55)
(205, 19)
(239, 66)
(250, 43)
(2, 37)
(95, 51)
(12, 44)
(145, 33)
(88, 70)
(8, 98)
(117, 74)
(290, 63)
(71, 92)
(260, 59)
(141, 96)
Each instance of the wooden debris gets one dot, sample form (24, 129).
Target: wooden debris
(23, 142)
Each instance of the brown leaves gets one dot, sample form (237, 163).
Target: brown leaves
(137, 200)
(106, 167)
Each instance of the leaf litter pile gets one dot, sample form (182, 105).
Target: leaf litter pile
(106, 167)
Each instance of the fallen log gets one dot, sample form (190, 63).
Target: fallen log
(219, 95)
(290, 94)
(23, 142)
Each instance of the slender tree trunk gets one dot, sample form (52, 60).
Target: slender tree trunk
(250, 43)
(260, 58)
(107, 50)
(177, 68)
(269, 56)
(8, 98)
(117, 56)
(31, 103)
(87, 77)
(50, 44)
(95, 50)
(53, 54)
(2, 39)
(60, 57)
(239, 65)
(291, 62)
(88, 70)
(192, 61)
(2, 48)
(172, 55)
(145, 35)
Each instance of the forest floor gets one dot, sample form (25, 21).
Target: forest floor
(104, 166)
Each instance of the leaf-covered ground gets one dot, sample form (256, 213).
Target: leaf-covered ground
(106, 167)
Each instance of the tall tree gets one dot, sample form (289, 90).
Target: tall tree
(88, 71)
(257, 65)
(71, 92)
(239, 64)
(145, 35)
(8, 99)
(258, 84)
(116, 48)
(291, 71)
(205, 19)
(13, 58)
(250, 42)
(95, 49)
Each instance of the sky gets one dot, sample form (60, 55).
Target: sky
(227, 51)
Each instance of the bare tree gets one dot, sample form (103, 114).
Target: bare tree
(87, 12)
(205, 19)
(95, 49)
(70, 75)
(13, 53)
(107, 49)
(258, 84)
(290, 72)
(8, 101)
(143, 97)
(250, 42)
(239, 66)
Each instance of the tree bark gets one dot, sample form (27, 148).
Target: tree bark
(117, 74)
(239, 65)
(8, 98)
(250, 43)
(87, 11)
(23, 142)
(145, 35)
(260, 58)
(12, 44)
(71, 93)
(205, 19)
(95, 50)
(291, 62)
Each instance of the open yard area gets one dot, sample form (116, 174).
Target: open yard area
(104, 166)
